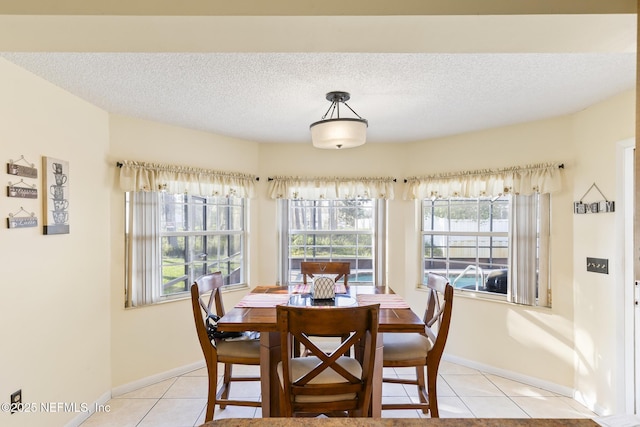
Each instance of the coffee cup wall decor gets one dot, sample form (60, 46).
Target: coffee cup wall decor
(56, 199)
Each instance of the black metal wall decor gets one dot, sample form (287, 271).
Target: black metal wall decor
(601, 206)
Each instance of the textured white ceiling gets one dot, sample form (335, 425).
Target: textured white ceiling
(405, 96)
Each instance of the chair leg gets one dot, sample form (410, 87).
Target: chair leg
(285, 407)
(432, 380)
(422, 390)
(226, 383)
(212, 369)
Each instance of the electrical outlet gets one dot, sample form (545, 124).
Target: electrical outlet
(16, 401)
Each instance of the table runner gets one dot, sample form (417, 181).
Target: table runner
(263, 300)
(385, 300)
(305, 289)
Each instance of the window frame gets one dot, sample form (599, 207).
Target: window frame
(191, 270)
(541, 285)
(191, 275)
(378, 240)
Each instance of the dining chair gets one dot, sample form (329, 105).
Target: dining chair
(226, 351)
(341, 270)
(338, 269)
(422, 350)
(327, 382)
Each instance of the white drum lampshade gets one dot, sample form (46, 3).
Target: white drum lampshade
(338, 132)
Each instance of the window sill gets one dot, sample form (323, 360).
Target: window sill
(187, 296)
(498, 298)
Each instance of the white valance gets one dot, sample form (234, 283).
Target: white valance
(141, 176)
(525, 180)
(317, 188)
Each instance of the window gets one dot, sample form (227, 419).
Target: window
(332, 230)
(477, 245)
(175, 238)
(200, 235)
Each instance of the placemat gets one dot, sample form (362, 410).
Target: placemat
(263, 300)
(305, 289)
(385, 300)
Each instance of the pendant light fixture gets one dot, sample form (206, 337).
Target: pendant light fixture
(338, 132)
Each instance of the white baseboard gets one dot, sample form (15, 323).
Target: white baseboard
(143, 382)
(132, 386)
(82, 417)
(532, 381)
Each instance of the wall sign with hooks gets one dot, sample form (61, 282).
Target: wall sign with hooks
(28, 220)
(28, 171)
(601, 206)
(26, 192)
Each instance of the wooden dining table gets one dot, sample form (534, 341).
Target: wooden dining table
(257, 312)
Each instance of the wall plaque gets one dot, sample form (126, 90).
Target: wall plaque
(29, 220)
(601, 206)
(24, 192)
(28, 171)
(55, 177)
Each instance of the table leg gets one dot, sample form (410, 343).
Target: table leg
(270, 355)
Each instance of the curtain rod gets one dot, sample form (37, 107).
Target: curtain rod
(120, 164)
(560, 166)
(271, 179)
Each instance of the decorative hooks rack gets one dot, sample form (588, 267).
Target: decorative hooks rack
(601, 206)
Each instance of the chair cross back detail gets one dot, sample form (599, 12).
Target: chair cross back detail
(211, 283)
(327, 361)
(437, 316)
(339, 268)
(327, 382)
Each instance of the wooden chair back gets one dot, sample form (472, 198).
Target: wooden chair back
(437, 316)
(308, 392)
(210, 283)
(339, 268)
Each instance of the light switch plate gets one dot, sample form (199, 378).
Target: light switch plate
(598, 265)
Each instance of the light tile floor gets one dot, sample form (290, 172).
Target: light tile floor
(463, 393)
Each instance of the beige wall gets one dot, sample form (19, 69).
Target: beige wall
(599, 298)
(533, 342)
(66, 294)
(152, 340)
(55, 297)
